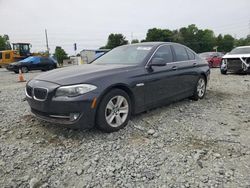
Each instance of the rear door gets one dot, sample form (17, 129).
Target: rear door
(34, 63)
(187, 69)
(45, 62)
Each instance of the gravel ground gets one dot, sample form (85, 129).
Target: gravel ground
(185, 144)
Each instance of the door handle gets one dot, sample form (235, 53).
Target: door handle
(194, 64)
(174, 68)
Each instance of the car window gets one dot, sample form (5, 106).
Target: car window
(7, 56)
(0, 55)
(36, 60)
(165, 53)
(191, 55)
(133, 55)
(180, 52)
(44, 60)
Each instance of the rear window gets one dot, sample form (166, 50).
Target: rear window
(180, 52)
(190, 55)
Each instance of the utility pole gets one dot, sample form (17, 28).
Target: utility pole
(249, 28)
(47, 43)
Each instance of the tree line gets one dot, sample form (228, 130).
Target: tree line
(200, 40)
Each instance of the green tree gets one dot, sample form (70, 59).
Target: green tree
(190, 37)
(207, 40)
(243, 41)
(4, 43)
(60, 55)
(134, 41)
(227, 43)
(115, 40)
(155, 34)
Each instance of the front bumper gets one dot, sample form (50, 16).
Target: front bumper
(60, 111)
(236, 65)
(12, 68)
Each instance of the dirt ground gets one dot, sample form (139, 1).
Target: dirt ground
(203, 143)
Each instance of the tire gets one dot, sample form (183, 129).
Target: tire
(200, 89)
(16, 72)
(50, 67)
(24, 69)
(109, 116)
(222, 71)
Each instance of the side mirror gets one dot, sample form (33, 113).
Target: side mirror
(157, 62)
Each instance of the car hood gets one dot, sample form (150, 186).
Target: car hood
(82, 73)
(236, 56)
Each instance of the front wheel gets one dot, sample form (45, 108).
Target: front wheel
(24, 69)
(114, 111)
(200, 89)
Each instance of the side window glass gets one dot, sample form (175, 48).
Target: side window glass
(180, 52)
(190, 55)
(165, 53)
(37, 60)
(7, 56)
(44, 60)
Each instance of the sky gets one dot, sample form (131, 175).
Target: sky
(88, 23)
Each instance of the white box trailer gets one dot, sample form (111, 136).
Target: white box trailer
(87, 56)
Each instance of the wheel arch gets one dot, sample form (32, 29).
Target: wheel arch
(205, 76)
(123, 87)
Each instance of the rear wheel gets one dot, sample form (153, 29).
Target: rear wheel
(114, 111)
(222, 71)
(200, 89)
(50, 67)
(24, 69)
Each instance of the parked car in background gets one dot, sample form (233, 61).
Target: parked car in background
(236, 61)
(213, 58)
(33, 63)
(127, 80)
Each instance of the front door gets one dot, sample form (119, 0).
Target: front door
(161, 82)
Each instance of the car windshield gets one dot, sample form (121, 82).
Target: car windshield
(29, 59)
(244, 50)
(133, 55)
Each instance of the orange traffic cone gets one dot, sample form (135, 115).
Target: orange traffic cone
(20, 77)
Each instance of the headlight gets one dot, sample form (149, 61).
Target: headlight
(74, 90)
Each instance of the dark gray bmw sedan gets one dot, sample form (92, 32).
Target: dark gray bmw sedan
(127, 80)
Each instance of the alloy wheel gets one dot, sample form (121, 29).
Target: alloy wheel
(201, 87)
(116, 111)
(24, 69)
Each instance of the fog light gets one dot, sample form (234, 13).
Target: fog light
(73, 116)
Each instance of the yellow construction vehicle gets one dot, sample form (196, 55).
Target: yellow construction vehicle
(20, 51)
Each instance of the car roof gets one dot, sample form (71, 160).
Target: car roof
(153, 43)
(243, 47)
